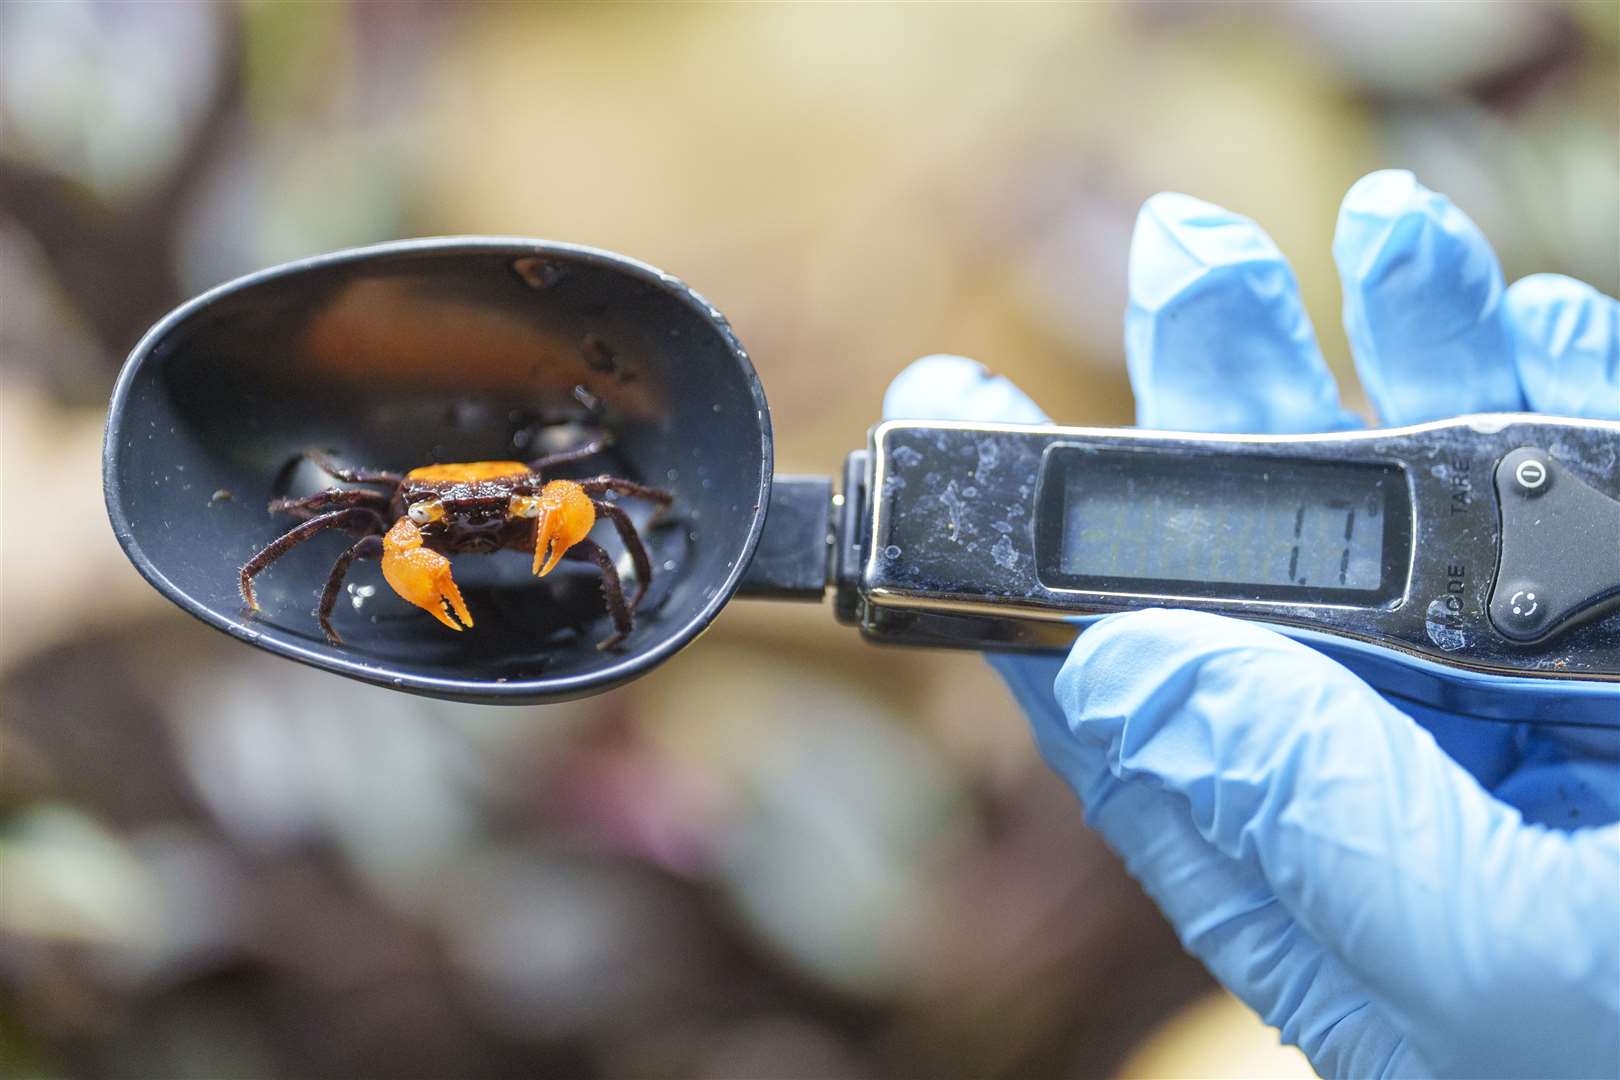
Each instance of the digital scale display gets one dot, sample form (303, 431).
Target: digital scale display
(1262, 528)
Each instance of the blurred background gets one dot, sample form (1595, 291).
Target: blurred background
(785, 853)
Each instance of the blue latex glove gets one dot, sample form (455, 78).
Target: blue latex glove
(1398, 893)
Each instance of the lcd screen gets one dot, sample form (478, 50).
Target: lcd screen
(1222, 525)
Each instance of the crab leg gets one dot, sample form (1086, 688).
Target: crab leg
(368, 547)
(568, 457)
(349, 475)
(632, 543)
(331, 497)
(336, 519)
(598, 485)
(612, 590)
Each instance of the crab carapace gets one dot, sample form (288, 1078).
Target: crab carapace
(436, 511)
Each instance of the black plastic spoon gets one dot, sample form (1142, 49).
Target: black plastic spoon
(442, 350)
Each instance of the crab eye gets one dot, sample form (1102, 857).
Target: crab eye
(426, 511)
(524, 506)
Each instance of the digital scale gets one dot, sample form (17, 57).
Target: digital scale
(1436, 559)
(1470, 565)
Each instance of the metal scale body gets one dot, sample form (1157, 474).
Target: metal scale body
(1497, 554)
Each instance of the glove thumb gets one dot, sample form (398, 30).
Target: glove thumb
(1493, 946)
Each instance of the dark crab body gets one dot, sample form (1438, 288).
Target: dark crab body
(477, 507)
(478, 518)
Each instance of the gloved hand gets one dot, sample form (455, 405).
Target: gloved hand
(1398, 892)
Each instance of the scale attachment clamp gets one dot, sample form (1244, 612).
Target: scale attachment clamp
(1470, 564)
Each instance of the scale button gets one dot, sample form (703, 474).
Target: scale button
(1557, 564)
(1524, 606)
(1530, 474)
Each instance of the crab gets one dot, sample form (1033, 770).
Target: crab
(435, 511)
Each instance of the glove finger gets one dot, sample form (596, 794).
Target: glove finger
(1226, 914)
(1030, 676)
(946, 387)
(1216, 335)
(1567, 337)
(1384, 850)
(1422, 303)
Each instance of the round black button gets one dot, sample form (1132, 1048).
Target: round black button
(1530, 474)
(1527, 473)
(1521, 609)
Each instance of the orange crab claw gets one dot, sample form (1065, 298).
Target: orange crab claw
(422, 576)
(563, 516)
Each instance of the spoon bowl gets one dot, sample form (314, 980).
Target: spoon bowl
(444, 350)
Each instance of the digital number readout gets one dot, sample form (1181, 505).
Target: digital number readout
(1157, 527)
(1309, 531)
